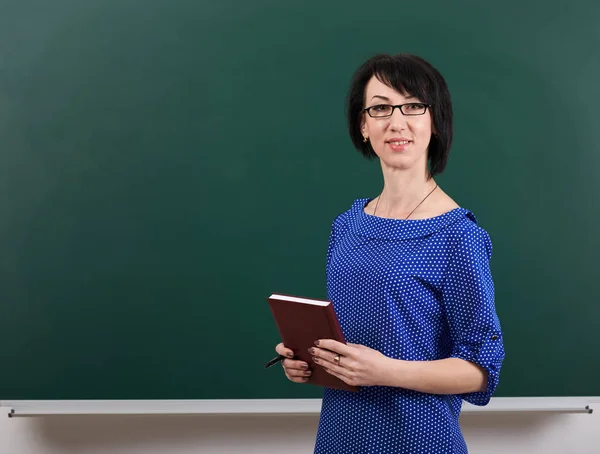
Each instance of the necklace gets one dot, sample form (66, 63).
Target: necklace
(409, 214)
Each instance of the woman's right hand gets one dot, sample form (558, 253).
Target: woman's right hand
(296, 371)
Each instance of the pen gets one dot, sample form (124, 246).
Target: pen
(274, 361)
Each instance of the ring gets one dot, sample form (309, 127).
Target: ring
(336, 358)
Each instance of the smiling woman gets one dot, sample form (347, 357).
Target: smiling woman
(408, 274)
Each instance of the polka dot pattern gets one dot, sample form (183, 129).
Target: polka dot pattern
(414, 290)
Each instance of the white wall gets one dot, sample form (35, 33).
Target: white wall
(485, 433)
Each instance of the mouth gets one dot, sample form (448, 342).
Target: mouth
(399, 142)
(399, 145)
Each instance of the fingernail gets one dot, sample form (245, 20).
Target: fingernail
(317, 343)
(305, 366)
(325, 369)
(315, 359)
(311, 351)
(305, 379)
(308, 373)
(290, 355)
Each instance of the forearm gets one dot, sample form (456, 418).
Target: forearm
(444, 376)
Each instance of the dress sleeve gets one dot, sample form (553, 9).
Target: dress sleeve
(337, 225)
(468, 297)
(331, 244)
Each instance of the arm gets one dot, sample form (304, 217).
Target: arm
(444, 376)
(362, 366)
(468, 301)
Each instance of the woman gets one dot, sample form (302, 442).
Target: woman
(408, 274)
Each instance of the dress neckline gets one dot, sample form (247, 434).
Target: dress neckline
(400, 229)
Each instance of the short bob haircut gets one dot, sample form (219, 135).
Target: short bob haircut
(409, 74)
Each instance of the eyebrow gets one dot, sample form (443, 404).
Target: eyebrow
(385, 98)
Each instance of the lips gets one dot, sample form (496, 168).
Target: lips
(399, 141)
(398, 144)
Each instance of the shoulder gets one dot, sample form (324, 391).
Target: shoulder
(470, 238)
(341, 220)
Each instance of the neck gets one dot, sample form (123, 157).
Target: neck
(402, 191)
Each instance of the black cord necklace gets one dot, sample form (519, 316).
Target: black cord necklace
(420, 203)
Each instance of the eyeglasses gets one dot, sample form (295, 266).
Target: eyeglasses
(386, 110)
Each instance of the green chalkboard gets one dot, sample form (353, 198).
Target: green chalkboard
(166, 165)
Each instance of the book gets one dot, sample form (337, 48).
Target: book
(302, 321)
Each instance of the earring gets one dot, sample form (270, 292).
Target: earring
(365, 139)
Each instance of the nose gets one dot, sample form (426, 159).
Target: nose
(397, 120)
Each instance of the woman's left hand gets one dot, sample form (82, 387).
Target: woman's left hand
(355, 364)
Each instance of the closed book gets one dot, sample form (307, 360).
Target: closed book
(302, 321)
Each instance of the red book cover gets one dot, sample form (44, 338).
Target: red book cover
(302, 321)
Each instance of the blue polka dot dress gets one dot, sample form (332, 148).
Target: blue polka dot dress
(414, 290)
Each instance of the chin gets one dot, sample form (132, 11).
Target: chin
(399, 162)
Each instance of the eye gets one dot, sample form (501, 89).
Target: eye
(381, 108)
(415, 106)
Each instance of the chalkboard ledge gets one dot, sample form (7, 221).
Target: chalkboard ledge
(15, 408)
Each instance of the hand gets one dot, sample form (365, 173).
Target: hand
(296, 371)
(358, 365)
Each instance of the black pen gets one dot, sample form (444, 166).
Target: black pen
(274, 361)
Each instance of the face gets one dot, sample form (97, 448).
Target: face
(399, 141)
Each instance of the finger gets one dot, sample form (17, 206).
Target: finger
(298, 379)
(293, 364)
(334, 346)
(359, 347)
(337, 372)
(330, 364)
(323, 355)
(284, 351)
(298, 375)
